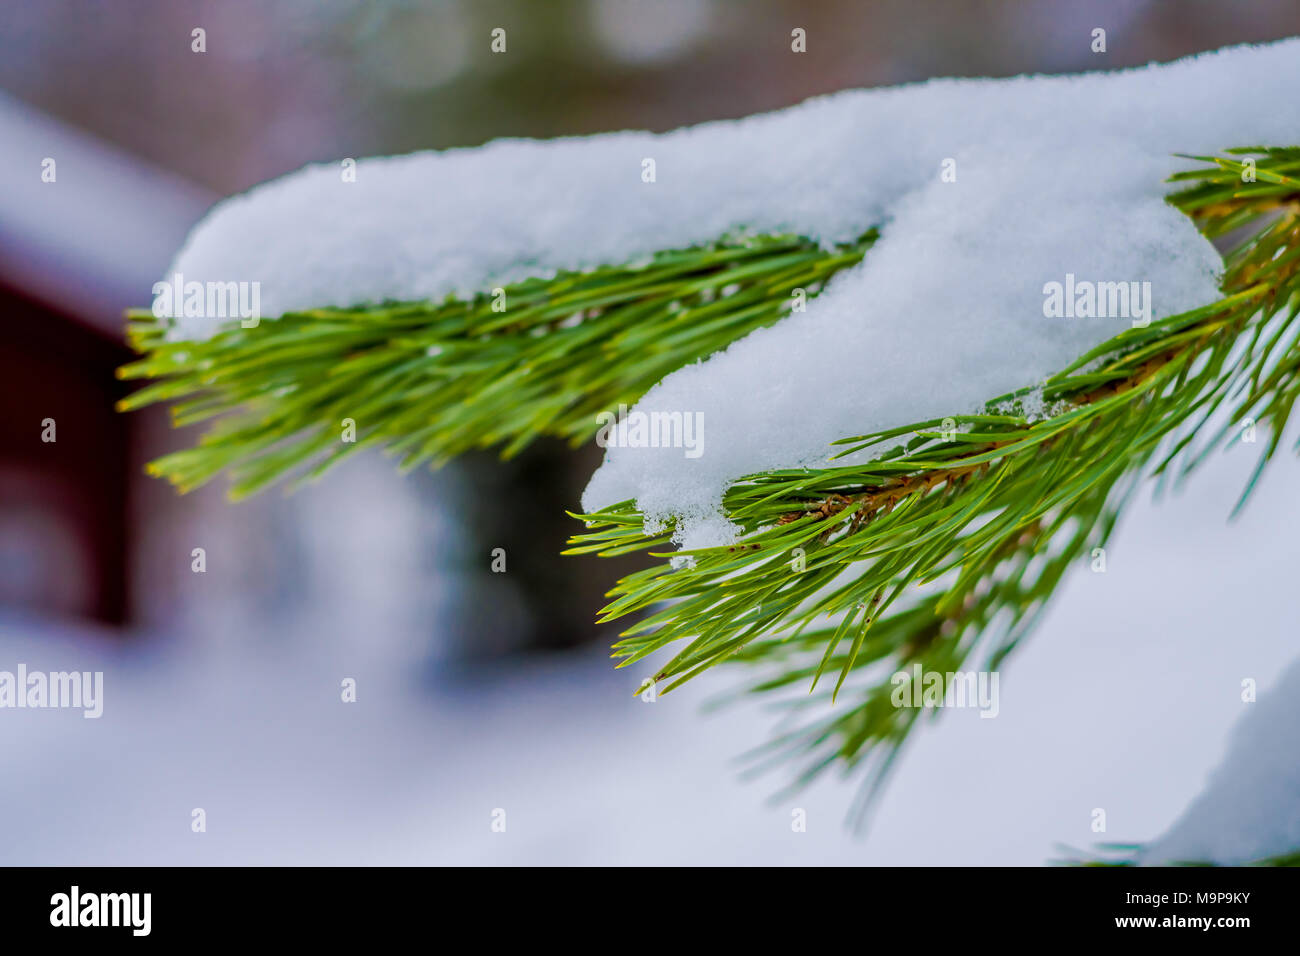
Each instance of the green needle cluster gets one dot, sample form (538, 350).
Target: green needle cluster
(427, 381)
(945, 544)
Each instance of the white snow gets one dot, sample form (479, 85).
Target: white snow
(1055, 176)
(945, 313)
(1250, 809)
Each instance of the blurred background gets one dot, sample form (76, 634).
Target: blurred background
(477, 690)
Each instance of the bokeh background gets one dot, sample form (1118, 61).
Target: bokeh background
(479, 691)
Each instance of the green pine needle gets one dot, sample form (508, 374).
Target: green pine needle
(429, 381)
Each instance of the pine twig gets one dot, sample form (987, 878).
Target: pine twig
(990, 516)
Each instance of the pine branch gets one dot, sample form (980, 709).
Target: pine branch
(989, 516)
(429, 381)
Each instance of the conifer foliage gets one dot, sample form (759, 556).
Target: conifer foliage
(940, 550)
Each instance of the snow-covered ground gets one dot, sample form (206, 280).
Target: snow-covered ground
(1123, 701)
